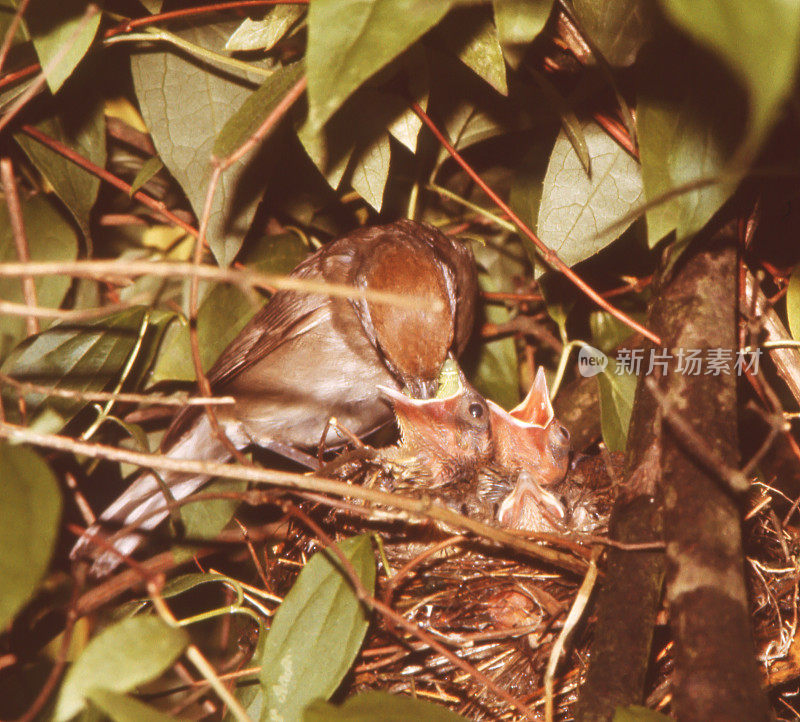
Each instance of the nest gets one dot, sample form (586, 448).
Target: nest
(502, 611)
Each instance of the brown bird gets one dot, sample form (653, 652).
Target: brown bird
(307, 357)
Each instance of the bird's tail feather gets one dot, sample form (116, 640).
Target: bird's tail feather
(143, 506)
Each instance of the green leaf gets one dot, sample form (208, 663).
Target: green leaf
(150, 167)
(119, 659)
(84, 357)
(350, 40)
(580, 214)
(81, 126)
(246, 120)
(518, 23)
(608, 332)
(688, 133)
(496, 372)
(222, 314)
(380, 707)
(204, 520)
(740, 33)
(793, 304)
(265, 34)
(617, 28)
(472, 36)
(50, 238)
(29, 518)
(56, 25)
(616, 405)
(635, 713)
(371, 170)
(185, 104)
(316, 632)
(122, 708)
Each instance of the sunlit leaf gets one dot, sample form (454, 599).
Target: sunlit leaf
(376, 706)
(316, 632)
(119, 659)
(50, 237)
(371, 170)
(29, 518)
(264, 34)
(85, 357)
(580, 214)
(793, 304)
(56, 26)
(350, 40)
(246, 120)
(150, 167)
(740, 33)
(518, 23)
(616, 405)
(472, 36)
(186, 104)
(688, 133)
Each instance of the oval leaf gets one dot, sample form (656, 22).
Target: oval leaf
(50, 238)
(54, 25)
(29, 518)
(616, 405)
(739, 31)
(186, 104)
(350, 40)
(688, 134)
(380, 707)
(580, 214)
(80, 357)
(793, 304)
(119, 659)
(316, 633)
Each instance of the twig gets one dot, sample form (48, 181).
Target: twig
(416, 507)
(399, 621)
(732, 477)
(39, 83)
(238, 276)
(103, 174)
(548, 255)
(12, 31)
(20, 240)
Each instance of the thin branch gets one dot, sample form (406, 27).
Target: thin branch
(20, 241)
(12, 31)
(240, 277)
(103, 174)
(422, 507)
(548, 255)
(400, 621)
(25, 97)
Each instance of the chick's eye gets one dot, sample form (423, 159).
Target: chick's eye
(476, 410)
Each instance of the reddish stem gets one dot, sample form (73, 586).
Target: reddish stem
(103, 174)
(548, 255)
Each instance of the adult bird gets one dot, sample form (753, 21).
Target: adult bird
(307, 357)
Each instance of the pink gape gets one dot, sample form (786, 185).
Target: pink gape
(530, 443)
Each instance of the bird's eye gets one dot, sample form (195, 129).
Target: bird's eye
(476, 410)
(564, 433)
